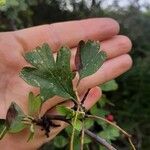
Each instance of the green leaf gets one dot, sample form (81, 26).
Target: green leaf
(78, 125)
(32, 131)
(109, 86)
(110, 133)
(103, 101)
(34, 105)
(88, 123)
(60, 141)
(76, 145)
(69, 131)
(102, 124)
(76, 137)
(65, 111)
(3, 128)
(53, 77)
(99, 112)
(95, 110)
(14, 118)
(87, 140)
(89, 58)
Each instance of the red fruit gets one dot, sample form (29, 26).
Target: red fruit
(110, 118)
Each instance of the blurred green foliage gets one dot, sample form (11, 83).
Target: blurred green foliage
(132, 107)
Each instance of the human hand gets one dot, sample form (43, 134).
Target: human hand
(14, 44)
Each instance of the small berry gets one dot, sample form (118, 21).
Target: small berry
(110, 118)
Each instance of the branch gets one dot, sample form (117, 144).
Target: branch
(82, 138)
(74, 121)
(99, 140)
(58, 117)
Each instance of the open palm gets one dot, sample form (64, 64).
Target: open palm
(13, 45)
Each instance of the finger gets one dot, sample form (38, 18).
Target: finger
(69, 33)
(110, 69)
(114, 47)
(92, 97)
(93, 94)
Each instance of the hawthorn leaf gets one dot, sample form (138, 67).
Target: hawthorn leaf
(95, 110)
(65, 111)
(78, 125)
(34, 105)
(60, 141)
(103, 101)
(110, 133)
(69, 132)
(3, 128)
(14, 118)
(88, 123)
(87, 140)
(68, 112)
(89, 58)
(109, 86)
(53, 77)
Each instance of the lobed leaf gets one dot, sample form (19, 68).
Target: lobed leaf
(89, 58)
(110, 133)
(60, 141)
(78, 125)
(87, 140)
(88, 123)
(65, 111)
(109, 86)
(103, 101)
(34, 105)
(95, 110)
(14, 118)
(53, 78)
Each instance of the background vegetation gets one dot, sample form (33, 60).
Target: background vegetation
(132, 106)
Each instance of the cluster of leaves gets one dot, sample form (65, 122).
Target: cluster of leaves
(16, 120)
(54, 77)
(99, 127)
